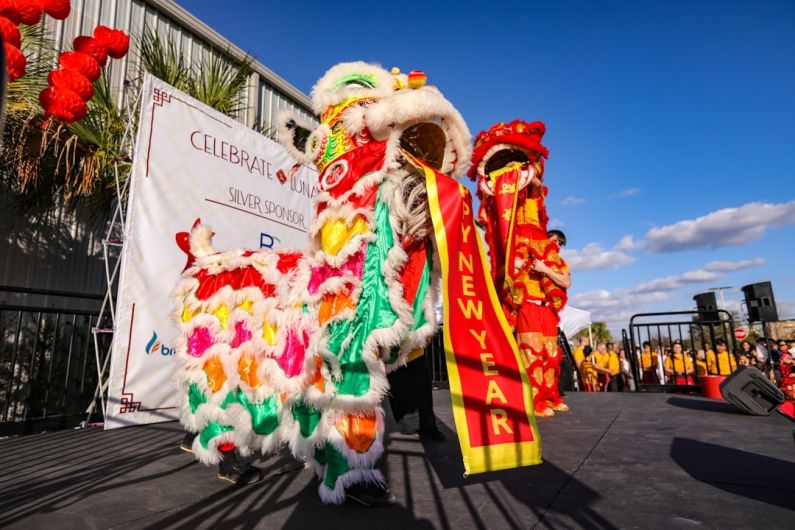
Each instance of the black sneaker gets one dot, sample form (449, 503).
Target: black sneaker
(187, 442)
(432, 436)
(370, 495)
(237, 471)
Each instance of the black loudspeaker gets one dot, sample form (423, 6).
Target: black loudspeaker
(760, 302)
(707, 306)
(750, 391)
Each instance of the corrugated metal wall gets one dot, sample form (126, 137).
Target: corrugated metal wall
(65, 253)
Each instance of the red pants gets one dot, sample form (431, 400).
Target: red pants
(537, 336)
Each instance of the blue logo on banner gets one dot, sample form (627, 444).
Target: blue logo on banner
(267, 240)
(154, 345)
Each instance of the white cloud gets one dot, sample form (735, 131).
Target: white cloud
(709, 272)
(571, 200)
(670, 283)
(729, 266)
(616, 307)
(626, 243)
(721, 228)
(625, 194)
(593, 256)
(555, 223)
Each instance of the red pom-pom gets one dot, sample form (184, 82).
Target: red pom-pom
(117, 42)
(15, 62)
(8, 10)
(10, 32)
(92, 47)
(65, 105)
(30, 11)
(71, 79)
(83, 63)
(58, 9)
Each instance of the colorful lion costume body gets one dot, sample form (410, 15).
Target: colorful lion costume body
(508, 164)
(294, 346)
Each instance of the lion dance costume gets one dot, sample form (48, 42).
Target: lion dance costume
(508, 164)
(293, 346)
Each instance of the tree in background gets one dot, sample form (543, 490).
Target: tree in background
(600, 333)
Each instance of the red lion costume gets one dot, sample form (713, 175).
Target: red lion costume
(508, 164)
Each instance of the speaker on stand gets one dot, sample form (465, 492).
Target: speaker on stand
(760, 302)
(707, 306)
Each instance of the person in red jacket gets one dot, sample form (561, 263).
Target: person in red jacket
(529, 274)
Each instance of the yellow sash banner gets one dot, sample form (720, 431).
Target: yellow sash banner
(492, 397)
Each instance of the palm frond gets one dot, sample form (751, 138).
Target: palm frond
(164, 60)
(221, 84)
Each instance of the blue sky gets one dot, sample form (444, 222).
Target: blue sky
(669, 124)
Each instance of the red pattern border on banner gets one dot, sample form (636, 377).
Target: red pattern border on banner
(127, 402)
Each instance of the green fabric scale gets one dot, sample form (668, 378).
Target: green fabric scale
(335, 463)
(373, 311)
(307, 418)
(264, 416)
(417, 307)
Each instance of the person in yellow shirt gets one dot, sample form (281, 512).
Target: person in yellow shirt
(701, 363)
(616, 383)
(578, 351)
(722, 363)
(648, 365)
(679, 367)
(600, 363)
(589, 375)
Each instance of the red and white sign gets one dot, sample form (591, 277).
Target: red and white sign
(740, 333)
(190, 162)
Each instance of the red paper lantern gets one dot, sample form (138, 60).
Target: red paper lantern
(58, 9)
(117, 42)
(30, 11)
(93, 47)
(71, 87)
(71, 79)
(65, 105)
(8, 10)
(15, 62)
(10, 32)
(83, 63)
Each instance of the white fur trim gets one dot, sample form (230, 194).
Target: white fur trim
(285, 135)
(327, 92)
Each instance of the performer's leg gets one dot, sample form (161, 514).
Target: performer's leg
(187, 442)
(550, 321)
(233, 468)
(346, 456)
(530, 338)
(411, 399)
(428, 428)
(224, 425)
(404, 399)
(552, 380)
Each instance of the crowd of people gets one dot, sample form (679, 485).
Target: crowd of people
(607, 368)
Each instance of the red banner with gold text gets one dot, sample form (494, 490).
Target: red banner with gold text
(492, 397)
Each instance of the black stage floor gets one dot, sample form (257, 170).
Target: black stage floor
(614, 461)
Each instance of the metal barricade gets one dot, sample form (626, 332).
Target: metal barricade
(47, 371)
(435, 352)
(658, 365)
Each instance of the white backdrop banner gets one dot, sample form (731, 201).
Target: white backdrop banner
(190, 162)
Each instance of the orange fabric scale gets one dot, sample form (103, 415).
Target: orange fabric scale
(358, 431)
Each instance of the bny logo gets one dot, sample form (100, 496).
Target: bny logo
(154, 345)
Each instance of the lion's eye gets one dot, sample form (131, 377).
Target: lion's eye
(358, 84)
